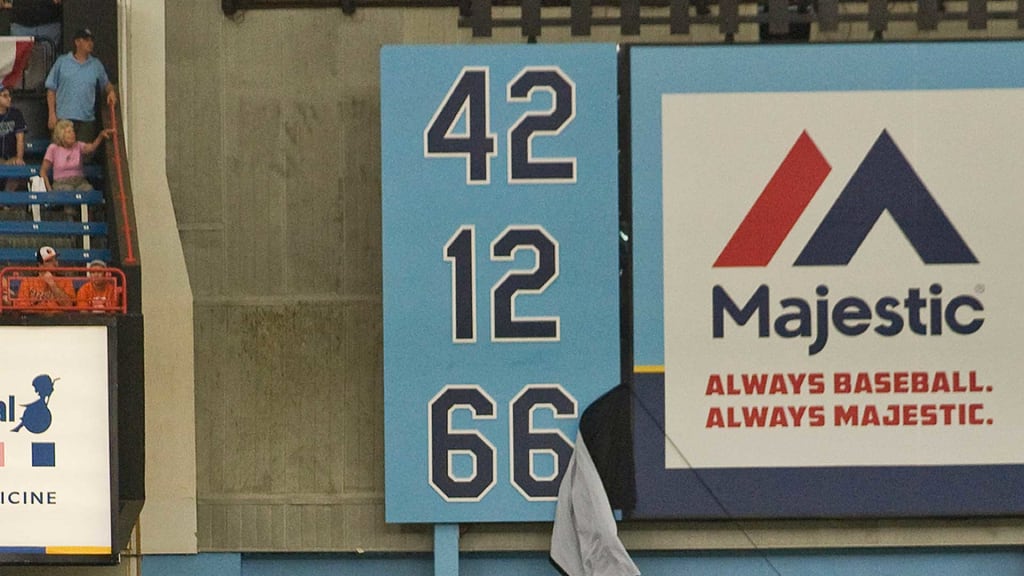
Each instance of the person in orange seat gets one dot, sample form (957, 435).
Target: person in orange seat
(100, 292)
(46, 290)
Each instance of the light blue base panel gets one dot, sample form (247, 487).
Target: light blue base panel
(916, 562)
(446, 550)
(192, 565)
(838, 563)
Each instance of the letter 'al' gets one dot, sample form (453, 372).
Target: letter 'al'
(584, 539)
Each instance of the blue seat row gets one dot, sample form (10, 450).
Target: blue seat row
(70, 256)
(92, 198)
(29, 170)
(22, 228)
(85, 230)
(36, 146)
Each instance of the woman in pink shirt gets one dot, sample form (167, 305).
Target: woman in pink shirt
(65, 157)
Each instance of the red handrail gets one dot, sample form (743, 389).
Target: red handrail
(127, 227)
(11, 298)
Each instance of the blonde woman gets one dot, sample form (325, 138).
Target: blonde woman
(65, 156)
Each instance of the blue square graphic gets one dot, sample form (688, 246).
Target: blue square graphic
(43, 454)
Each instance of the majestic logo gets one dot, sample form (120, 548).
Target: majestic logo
(884, 181)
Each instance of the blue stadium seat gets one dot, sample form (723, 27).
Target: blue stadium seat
(91, 198)
(29, 170)
(36, 146)
(26, 171)
(53, 228)
(68, 256)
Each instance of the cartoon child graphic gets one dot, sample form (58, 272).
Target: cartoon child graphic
(36, 417)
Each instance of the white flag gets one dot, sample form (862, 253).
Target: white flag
(14, 53)
(584, 538)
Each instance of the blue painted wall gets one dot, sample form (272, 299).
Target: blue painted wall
(896, 562)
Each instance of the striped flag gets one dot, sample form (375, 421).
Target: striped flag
(14, 53)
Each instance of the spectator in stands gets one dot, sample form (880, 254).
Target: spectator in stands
(46, 290)
(100, 292)
(12, 137)
(36, 18)
(71, 87)
(64, 155)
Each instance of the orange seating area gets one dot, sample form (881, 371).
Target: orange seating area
(13, 300)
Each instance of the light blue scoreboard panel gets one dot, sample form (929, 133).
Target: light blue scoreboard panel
(501, 272)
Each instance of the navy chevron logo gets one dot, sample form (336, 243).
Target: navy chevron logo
(885, 181)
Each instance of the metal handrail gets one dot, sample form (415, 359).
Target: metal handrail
(126, 226)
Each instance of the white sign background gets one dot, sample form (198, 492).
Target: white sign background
(76, 357)
(720, 150)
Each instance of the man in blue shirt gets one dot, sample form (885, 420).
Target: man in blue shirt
(72, 84)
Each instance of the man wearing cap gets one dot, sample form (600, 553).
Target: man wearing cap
(12, 137)
(46, 290)
(71, 87)
(99, 293)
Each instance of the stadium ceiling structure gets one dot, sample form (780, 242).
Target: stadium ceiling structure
(778, 20)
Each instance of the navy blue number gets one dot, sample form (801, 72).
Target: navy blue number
(530, 442)
(469, 100)
(460, 251)
(523, 167)
(447, 444)
(505, 324)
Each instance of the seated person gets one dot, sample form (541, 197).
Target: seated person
(46, 290)
(65, 154)
(12, 137)
(100, 292)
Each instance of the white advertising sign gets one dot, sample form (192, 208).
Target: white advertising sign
(55, 484)
(826, 280)
(884, 358)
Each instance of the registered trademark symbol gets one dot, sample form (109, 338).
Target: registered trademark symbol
(979, 288)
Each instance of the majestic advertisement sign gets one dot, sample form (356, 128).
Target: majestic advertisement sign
(827, 285)
(55, 444)
(501, 272)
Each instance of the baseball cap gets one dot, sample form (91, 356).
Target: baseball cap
(97, 263)
(45, 254)
(82, 33)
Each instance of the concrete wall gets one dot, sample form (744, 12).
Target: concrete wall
(273, 160)
(273, 163)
